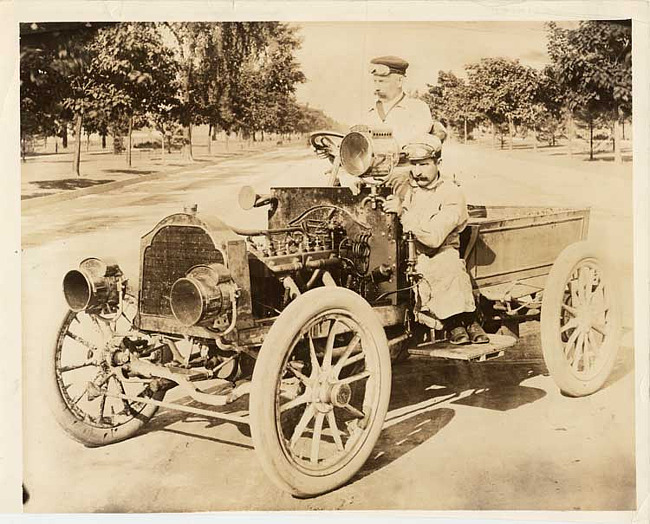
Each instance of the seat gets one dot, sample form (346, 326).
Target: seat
(468, 237)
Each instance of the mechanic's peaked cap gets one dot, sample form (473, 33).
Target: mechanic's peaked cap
(422, 147)
(394, 63)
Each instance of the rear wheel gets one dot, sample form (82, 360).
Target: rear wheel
(580, 324)
(80, 372)
(321, 387)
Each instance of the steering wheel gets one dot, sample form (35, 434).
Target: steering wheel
(326, 144)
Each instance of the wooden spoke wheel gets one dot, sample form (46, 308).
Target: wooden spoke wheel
(580, 323)
(321, 387)
(81, 370)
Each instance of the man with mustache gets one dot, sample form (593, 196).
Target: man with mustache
(434, 209)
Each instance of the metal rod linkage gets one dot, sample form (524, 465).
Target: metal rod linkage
(170, 405)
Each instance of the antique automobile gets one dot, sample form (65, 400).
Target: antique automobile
(307, 316)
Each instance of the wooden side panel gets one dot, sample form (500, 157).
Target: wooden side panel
(523, 247)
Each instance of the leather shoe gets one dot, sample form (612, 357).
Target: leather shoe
(476, 334)
(458, 336)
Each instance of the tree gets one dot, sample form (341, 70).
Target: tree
(75, 65)
(226, 56)
(504, 91)
(549, 104)
(594, 64)
(134, 75)
(210, 57)
(55, 75)
(451, 103)
(263, 93)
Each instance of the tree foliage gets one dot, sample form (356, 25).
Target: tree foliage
(234, 76)
(594, 64)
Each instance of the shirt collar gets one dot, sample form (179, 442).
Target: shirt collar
(398, 101)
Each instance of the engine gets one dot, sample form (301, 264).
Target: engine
(204, 279)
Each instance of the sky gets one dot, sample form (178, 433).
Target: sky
(334, 56)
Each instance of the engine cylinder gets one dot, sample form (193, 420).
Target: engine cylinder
(202, 295)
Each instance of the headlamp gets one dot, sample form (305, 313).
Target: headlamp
(369, 151)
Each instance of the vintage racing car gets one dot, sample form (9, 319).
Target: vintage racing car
(308, 315)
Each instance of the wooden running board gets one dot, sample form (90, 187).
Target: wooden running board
(470, 352)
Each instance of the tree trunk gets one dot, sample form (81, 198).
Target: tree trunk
(494, 135)
(210, 140)
(623, 129)
(618, 158)
(129, 142)
(162, 146)
(64, 137)
(570, 131)
(56, 145)
(464, 130)
(77, 147)
(534, 138)
(591, 139)
(87, 142)
(510, 133)
(103, 140)
(187, 143)
(23, 147)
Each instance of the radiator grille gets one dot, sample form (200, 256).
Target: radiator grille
(172, 252)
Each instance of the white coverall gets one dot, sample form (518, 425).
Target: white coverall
(436, 215)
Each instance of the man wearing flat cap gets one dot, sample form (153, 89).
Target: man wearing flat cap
(433, 208)
(407, 117)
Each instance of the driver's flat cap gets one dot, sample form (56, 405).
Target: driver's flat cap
(423, 147)
(394, 63)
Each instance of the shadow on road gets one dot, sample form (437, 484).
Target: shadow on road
(68, 183)
(424, 394)
(130, 171)
(401, 438)
(211, 439)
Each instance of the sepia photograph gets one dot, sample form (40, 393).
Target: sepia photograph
(275, 265)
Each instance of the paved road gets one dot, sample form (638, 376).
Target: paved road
(494, 436)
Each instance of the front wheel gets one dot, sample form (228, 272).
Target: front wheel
(80, 378)
(321, 387)
(580, 324)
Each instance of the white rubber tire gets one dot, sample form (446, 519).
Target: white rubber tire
(265, 376)
(570, 382)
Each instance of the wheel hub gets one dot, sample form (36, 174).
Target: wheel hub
(340, 395)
